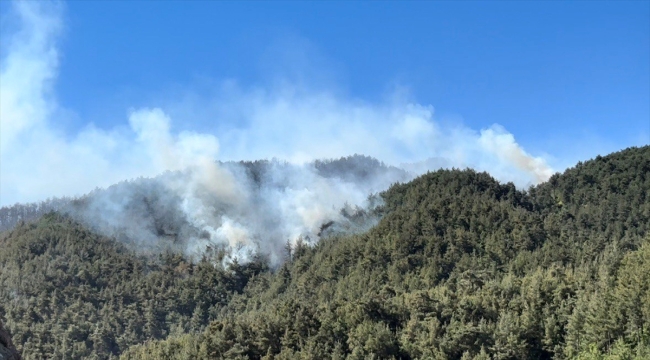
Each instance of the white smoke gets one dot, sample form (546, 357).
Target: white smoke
(219, 204)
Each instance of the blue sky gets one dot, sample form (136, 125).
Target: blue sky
(480, 84)
(543, 70)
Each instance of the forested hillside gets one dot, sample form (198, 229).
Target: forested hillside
(459, 267)
(144, 200)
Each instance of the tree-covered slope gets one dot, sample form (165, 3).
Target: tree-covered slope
(153, 204)
(67, 293)
(459, 267)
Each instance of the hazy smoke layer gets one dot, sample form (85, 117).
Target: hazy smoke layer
(197, 201)
(275, 204)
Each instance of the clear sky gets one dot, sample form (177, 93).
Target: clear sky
(567, 80)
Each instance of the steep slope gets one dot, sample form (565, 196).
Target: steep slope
(460, 267)
(356, 169)
(67, 293)
(601, 201)
(264, 204)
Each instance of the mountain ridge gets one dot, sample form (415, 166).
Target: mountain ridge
(459, 266)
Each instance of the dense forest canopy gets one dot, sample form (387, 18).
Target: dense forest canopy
(459, 266)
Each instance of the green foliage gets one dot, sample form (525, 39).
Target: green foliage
(68, 293)
(459, 267)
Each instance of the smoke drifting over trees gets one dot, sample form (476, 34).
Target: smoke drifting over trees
(270, 204)
(459, 266)
(287, 122)
(199, 200)
(263, 237)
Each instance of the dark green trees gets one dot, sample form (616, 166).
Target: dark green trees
(459, 267)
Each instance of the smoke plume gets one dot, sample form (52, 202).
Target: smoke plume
(166, 188)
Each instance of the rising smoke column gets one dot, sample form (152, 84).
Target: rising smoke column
(181, 195)
(502, 144)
